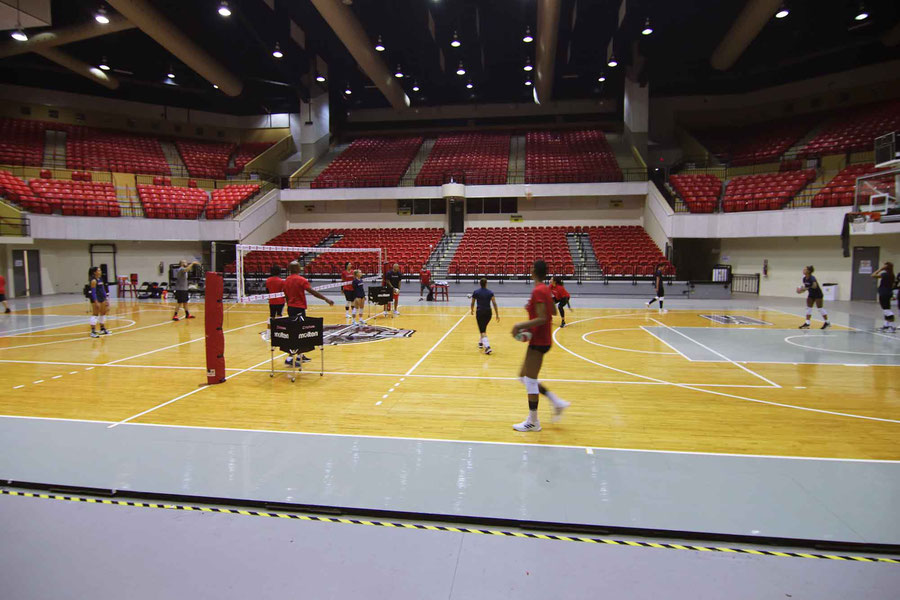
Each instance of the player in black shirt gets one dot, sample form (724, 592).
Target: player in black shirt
(885, 276)
(392, 280)
(484, 298)
(660, 289)
(811, 285)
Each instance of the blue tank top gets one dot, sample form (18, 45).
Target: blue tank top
(99, 292)
(483, 298)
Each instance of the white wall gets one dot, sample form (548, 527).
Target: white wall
(58, 227)
(657, 217)
(65, 263)
(264, 220)
(788, 255)
(355, 213)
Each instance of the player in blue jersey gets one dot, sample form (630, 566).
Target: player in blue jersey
(814, 296)
(99, 295)
(885, 277)
(484, 298)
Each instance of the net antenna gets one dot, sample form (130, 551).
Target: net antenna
(282, 255)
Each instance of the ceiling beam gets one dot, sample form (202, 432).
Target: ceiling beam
(746, 27)
(351, 33)
(66, 35)
(547, 36)
(79, 67)
(153, 23)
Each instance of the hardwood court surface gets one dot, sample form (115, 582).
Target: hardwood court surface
(628, 387)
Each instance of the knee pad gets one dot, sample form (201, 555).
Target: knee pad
(93, 321)
(531, 385)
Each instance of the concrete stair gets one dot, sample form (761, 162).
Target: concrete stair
(589, 267)
(321, 164)
(331, 240)
(54, 149)
(443, 254)
(515, 173)
(173, 158)
(409, 177)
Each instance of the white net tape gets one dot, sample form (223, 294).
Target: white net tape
(242, 249)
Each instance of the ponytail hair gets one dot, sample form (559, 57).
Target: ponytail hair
(811, 269)
(91, 273)
(889, 267)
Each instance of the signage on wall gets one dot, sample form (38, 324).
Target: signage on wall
(615, 204)
(19, 263)
(865, 267)
(516, 218)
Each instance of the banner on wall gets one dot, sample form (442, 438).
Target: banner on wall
(516, 218)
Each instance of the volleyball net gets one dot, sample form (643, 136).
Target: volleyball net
(253, 265)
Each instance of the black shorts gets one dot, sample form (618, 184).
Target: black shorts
(181, 296)
(541, 349)
(294, 311)
(349, 295)
(884, 298)
(2, 297)
(660, 293)
(359, 296)
(275, 310)
(483, 317)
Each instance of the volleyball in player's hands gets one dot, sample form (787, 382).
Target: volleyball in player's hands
(523, 336)
(800, 289)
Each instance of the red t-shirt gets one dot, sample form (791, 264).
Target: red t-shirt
(542, 334)
(559, 292)
(348, 277)
(2, 284)
(295, 288)
(274, 285)
(425, 277)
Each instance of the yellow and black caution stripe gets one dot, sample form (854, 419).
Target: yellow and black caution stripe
(496, 532)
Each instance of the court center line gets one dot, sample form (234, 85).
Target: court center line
(191, 393)
(452, 441)
(717, 353)
(436, 344)
(707, 391)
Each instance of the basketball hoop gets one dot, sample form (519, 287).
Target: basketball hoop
(858, 224)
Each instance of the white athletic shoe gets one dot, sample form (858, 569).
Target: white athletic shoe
(526, 426)
(397, 312)
(647, 304)
(264, 335)
(663, 311)
(558, 410)
(488, 350)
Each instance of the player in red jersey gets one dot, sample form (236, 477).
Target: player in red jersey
(295, 288)
(3, 294)
(561, 297)
(540, 324)
(347, 288)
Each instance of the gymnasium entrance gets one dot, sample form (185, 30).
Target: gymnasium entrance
(457, 215)
(865, 262)
(26, 273)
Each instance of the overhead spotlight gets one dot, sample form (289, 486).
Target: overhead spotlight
(19, 35)
(647, 30)
(348, 91)
(320, 78)
(100, 16)
(379, 46)
(527, 66)
(528, 81)
(398, 73)
(415, 86)
(277, 53)
(104, 66)
(461, 70)
(470, 85)
(527, 39)
(612, 62)
(171, 73)
(455, 41)
(862, 14)
(215, 86)
(224, 10)
(782, 12)
(602, 78)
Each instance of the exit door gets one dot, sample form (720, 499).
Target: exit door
(457, 215)
(26, 272)
(865, 262)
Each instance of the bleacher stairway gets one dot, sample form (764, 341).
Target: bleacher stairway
(173, 158)
(329, 241)
(321, 164)
(583, 256)
(54, 149)
(409, 178)
(515, 173)
(443, 254)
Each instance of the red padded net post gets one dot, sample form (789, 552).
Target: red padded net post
(215, 337)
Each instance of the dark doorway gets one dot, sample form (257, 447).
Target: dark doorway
(27, 272)
(457, 215)
(865, 262)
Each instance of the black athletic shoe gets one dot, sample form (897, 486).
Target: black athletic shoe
(7, 311)
(804, 326)
(104, 331)
(826, 325)
(94, 334)
(305, 358)
(563, 324)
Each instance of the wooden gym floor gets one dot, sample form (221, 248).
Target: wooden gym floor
(630, 383)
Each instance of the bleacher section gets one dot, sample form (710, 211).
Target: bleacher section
(261, 262)
(854, 130)
(626, 250)
(699, 192)
(410, 247)
(100, 150)
(770, 191)
(511, 251)
(755, 144)
(81, 198)
(205, 159)
(470, 158)
(226, 199)
(370, 162)
(21, 142)
(569, 157)
(17, 191)
(167, 202)
(245, 153)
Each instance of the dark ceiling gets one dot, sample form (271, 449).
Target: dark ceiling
(811, 41)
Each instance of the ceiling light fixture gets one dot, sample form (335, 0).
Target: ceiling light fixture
(647, 30)
(171, 73)
(348, 91)
(862, 14)
(527, 39)
(415, 86)
(528, 81)
(215, 86)
(461, 70)
(470, 85)
(100, 16)
(320, 78)
(398, 73)
(782, 12)
(224, 10)
(602, 78)
(379, 46)
(455, 41)
(612, 62)
(527, 66)
(277, 53)
(19, 34)
(104, 66)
